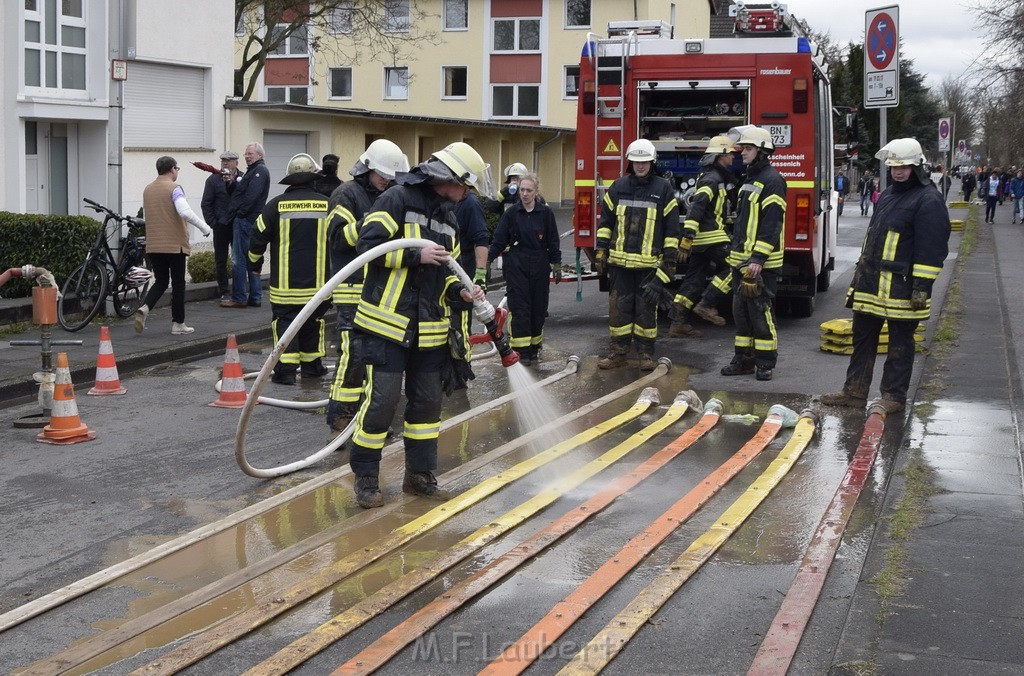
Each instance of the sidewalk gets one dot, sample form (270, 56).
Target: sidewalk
(961, 607)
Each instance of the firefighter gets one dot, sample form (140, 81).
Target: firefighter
(705, 242)
(402, 320)
(529, 231)
(637, 245)
(373, 172)
(903, 251)
(755, 255)
(294, 226)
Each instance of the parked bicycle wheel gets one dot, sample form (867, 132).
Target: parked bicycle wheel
(82, 295)
(130, 290)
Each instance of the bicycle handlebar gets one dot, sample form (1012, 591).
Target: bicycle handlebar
(130, 220)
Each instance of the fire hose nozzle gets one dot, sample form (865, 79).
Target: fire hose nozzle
(486, 314)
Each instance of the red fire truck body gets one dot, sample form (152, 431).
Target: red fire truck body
(678, 93)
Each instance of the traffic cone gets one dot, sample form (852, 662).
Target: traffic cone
(107, 381)
(65, 426)
(232, 383)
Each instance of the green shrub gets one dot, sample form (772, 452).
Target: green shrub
(57, 243)
(202, 267)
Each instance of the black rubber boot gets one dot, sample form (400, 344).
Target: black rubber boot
(738, 368)
(313, 369)
(424, 484)
(283, 375)
(368, 492)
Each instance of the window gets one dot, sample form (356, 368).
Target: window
(455, 86)
(298, 95)
(339, 19)
(295, 43)
(397, 20)
(154, 89)
(456, 15)
(55, 42)
(572, 82)
(577, 13)
(396, 83)
(515, 101)
(339, 83)
(516, 35)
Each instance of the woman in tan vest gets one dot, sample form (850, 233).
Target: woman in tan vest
(167, 214)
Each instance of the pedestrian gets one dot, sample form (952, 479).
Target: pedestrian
(216, 199)
(842, 190)
(705, 242)
(991, 189)
(327, 180)
(755, 255)
(373, 173)
(246, 205)
(167, 242)
(902, 255)
(637, 244)
(293, 226)
(968, 184)
(529, 232)
(1017, 191)
(402, 320)
(865, 187)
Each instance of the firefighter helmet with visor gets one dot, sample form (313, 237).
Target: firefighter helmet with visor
(752, 135)
(468, 167)
(382, 156)
(641, 150)
(901, 152)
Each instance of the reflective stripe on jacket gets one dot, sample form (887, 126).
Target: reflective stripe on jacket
(355, 199)
(705, 219)
(758, 235)
(294, 226)
(639, 221)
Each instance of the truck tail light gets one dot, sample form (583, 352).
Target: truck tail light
(584, 213)
(800, 95)
(589, 98)
(802, 231)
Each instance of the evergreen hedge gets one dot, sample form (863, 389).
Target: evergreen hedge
(57, 243)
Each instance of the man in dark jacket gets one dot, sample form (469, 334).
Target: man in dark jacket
(216, 200)
(905, 246)
(245, 207)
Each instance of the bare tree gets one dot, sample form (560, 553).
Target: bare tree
(347, 31)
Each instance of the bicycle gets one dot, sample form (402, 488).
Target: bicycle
(126, 278)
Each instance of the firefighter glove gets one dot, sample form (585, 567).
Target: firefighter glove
(668, 262)
(556, 272)
(751, 287)
(601, 261)
(684, 249)
(480, 278)
(256, 265)
(919, 299)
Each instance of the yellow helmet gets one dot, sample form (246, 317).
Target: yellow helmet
(468, 167)
(720, 145)
(752, 135)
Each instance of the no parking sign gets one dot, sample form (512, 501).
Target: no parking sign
(881, 57)
(943, 134)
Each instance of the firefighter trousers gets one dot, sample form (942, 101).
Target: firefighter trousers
(695, 287)
(630, 317)
(899, 361)
(757, 337)
(386, 363)
(347, 388)
(308, 343)
(527, 285)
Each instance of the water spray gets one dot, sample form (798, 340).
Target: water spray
(486, 315)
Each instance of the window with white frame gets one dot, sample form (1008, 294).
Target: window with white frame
(55, 45)
(283, 94)
(572, 82)
(397, 19)
(516, 35)
(339, 83)
(339, 18)
(577, 13)
(456, 15)
(515, 100)
(296, 44)
(396, 83)
(455, 82)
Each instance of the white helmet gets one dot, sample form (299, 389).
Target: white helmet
(382, 156)
(515, 169)
(468, 167)
(641, 150)
(720, 145)
(301, 169)
(752, 135)
(901, 152)
(137, 276)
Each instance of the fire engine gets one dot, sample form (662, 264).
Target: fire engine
(640, 82)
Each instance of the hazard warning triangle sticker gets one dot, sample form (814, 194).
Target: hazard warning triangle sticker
(611, 148)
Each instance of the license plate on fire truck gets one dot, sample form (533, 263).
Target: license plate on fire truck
(782, 134)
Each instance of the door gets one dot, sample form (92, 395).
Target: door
(281, 147)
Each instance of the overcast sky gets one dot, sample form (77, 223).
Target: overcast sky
(941, 36)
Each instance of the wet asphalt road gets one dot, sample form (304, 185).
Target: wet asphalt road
(164, 465)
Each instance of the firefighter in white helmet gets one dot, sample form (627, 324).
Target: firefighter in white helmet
(509, 194)
(904, 248)
(637, 246)
(705, 241)
(755, 255)
(293, 226)
(402, 320)
(372, 174)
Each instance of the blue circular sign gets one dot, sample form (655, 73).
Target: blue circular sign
(881, 41)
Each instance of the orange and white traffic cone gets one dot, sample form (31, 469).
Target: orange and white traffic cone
(107, 380)
(65, 426)
(232, 383)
